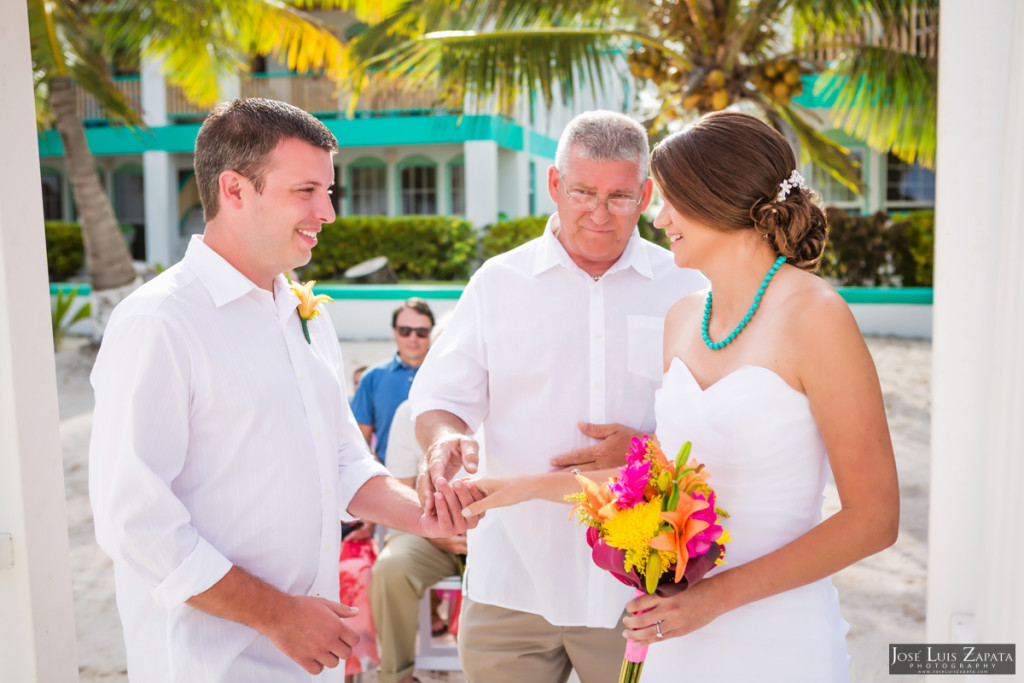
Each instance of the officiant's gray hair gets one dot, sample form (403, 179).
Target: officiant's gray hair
(604, 136)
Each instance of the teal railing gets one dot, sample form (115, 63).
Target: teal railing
(853, 295)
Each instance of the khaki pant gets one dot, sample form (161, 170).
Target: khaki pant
(406, 566)
(498, 645)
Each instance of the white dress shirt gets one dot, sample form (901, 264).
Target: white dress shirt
(220, 437)
(535, 345)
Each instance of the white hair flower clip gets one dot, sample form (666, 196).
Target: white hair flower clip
(794, 180)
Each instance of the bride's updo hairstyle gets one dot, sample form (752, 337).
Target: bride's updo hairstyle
(727, 171)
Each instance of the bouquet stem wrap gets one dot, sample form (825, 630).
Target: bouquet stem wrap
(633, 661)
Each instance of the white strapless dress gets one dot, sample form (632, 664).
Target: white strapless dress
(767, 462)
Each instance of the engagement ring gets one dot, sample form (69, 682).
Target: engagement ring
(657, 625)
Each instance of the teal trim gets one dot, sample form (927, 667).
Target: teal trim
(106, 140)
(359, 132)
(882, 295)
(817, 100)
(399, 292)
(852, 295)
(542, 145)
(84, 289)
(425, 129)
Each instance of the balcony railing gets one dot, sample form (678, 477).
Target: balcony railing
(314, 93)
(90, 111)
(919, 35)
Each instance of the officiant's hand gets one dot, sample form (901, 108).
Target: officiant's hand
(608, 453)
(443, 460)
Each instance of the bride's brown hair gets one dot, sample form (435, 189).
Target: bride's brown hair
(726, 170)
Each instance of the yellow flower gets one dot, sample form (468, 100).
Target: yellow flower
(632, 530)
(308, 304)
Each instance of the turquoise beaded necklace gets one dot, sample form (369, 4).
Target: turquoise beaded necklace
(746, 319)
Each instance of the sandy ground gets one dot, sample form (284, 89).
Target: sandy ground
(883, 597)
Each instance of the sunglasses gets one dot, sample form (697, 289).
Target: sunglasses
(421, 332)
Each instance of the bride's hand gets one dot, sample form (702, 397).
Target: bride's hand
(676, 615)
(501, 492)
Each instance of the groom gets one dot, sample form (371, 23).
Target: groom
(549, 344)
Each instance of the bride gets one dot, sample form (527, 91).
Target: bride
(768, 376)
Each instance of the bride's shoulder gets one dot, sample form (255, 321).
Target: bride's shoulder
(687, 306)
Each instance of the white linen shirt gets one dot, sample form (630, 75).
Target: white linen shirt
(535, 345)
(220, 437)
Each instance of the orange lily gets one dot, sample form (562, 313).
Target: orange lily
(692, 480)
(600, 501)
(683, 529)
(308, 304)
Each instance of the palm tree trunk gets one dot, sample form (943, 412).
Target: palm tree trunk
(106, 254)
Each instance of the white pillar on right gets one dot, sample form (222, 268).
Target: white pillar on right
(976, 519)
(481, 182)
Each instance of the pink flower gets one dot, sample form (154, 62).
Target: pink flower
(699, 544)
(630, 485)
(637, 450)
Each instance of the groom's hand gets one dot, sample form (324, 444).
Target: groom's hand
(608, 453)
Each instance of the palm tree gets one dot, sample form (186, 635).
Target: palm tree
(198, 41)
(697, 56)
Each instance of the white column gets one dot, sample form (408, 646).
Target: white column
(514, 170)
(481, 182)
(1001, 603)
(37, 628)
(160, 178)
(975, 519)
(153, 93)
(392, 181)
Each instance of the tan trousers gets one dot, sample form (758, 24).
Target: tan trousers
(405, 567)
(498, 645)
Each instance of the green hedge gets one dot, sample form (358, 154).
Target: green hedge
(880, 250)
(506, 235)
(65, 252)
(417, 247)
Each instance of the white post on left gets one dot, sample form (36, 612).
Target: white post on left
(37, 626)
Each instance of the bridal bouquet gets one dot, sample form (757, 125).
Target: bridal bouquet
(654, 527)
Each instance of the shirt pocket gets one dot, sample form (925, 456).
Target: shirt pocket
(645, 333)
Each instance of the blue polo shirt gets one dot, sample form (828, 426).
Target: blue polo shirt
(381, 390)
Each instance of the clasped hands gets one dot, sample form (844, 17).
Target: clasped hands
(453, 451)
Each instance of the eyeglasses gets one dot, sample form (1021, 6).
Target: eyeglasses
(421, 332)
(584, 201)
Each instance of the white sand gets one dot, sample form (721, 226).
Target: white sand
(883, 597)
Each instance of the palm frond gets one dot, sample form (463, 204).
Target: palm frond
(548, 62)
(65, 41)
(828, 155)
(887, 98)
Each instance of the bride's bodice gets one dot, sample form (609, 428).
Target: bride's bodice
(761, 445)
(767, 464)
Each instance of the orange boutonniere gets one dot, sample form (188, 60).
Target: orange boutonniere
(308, 304)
